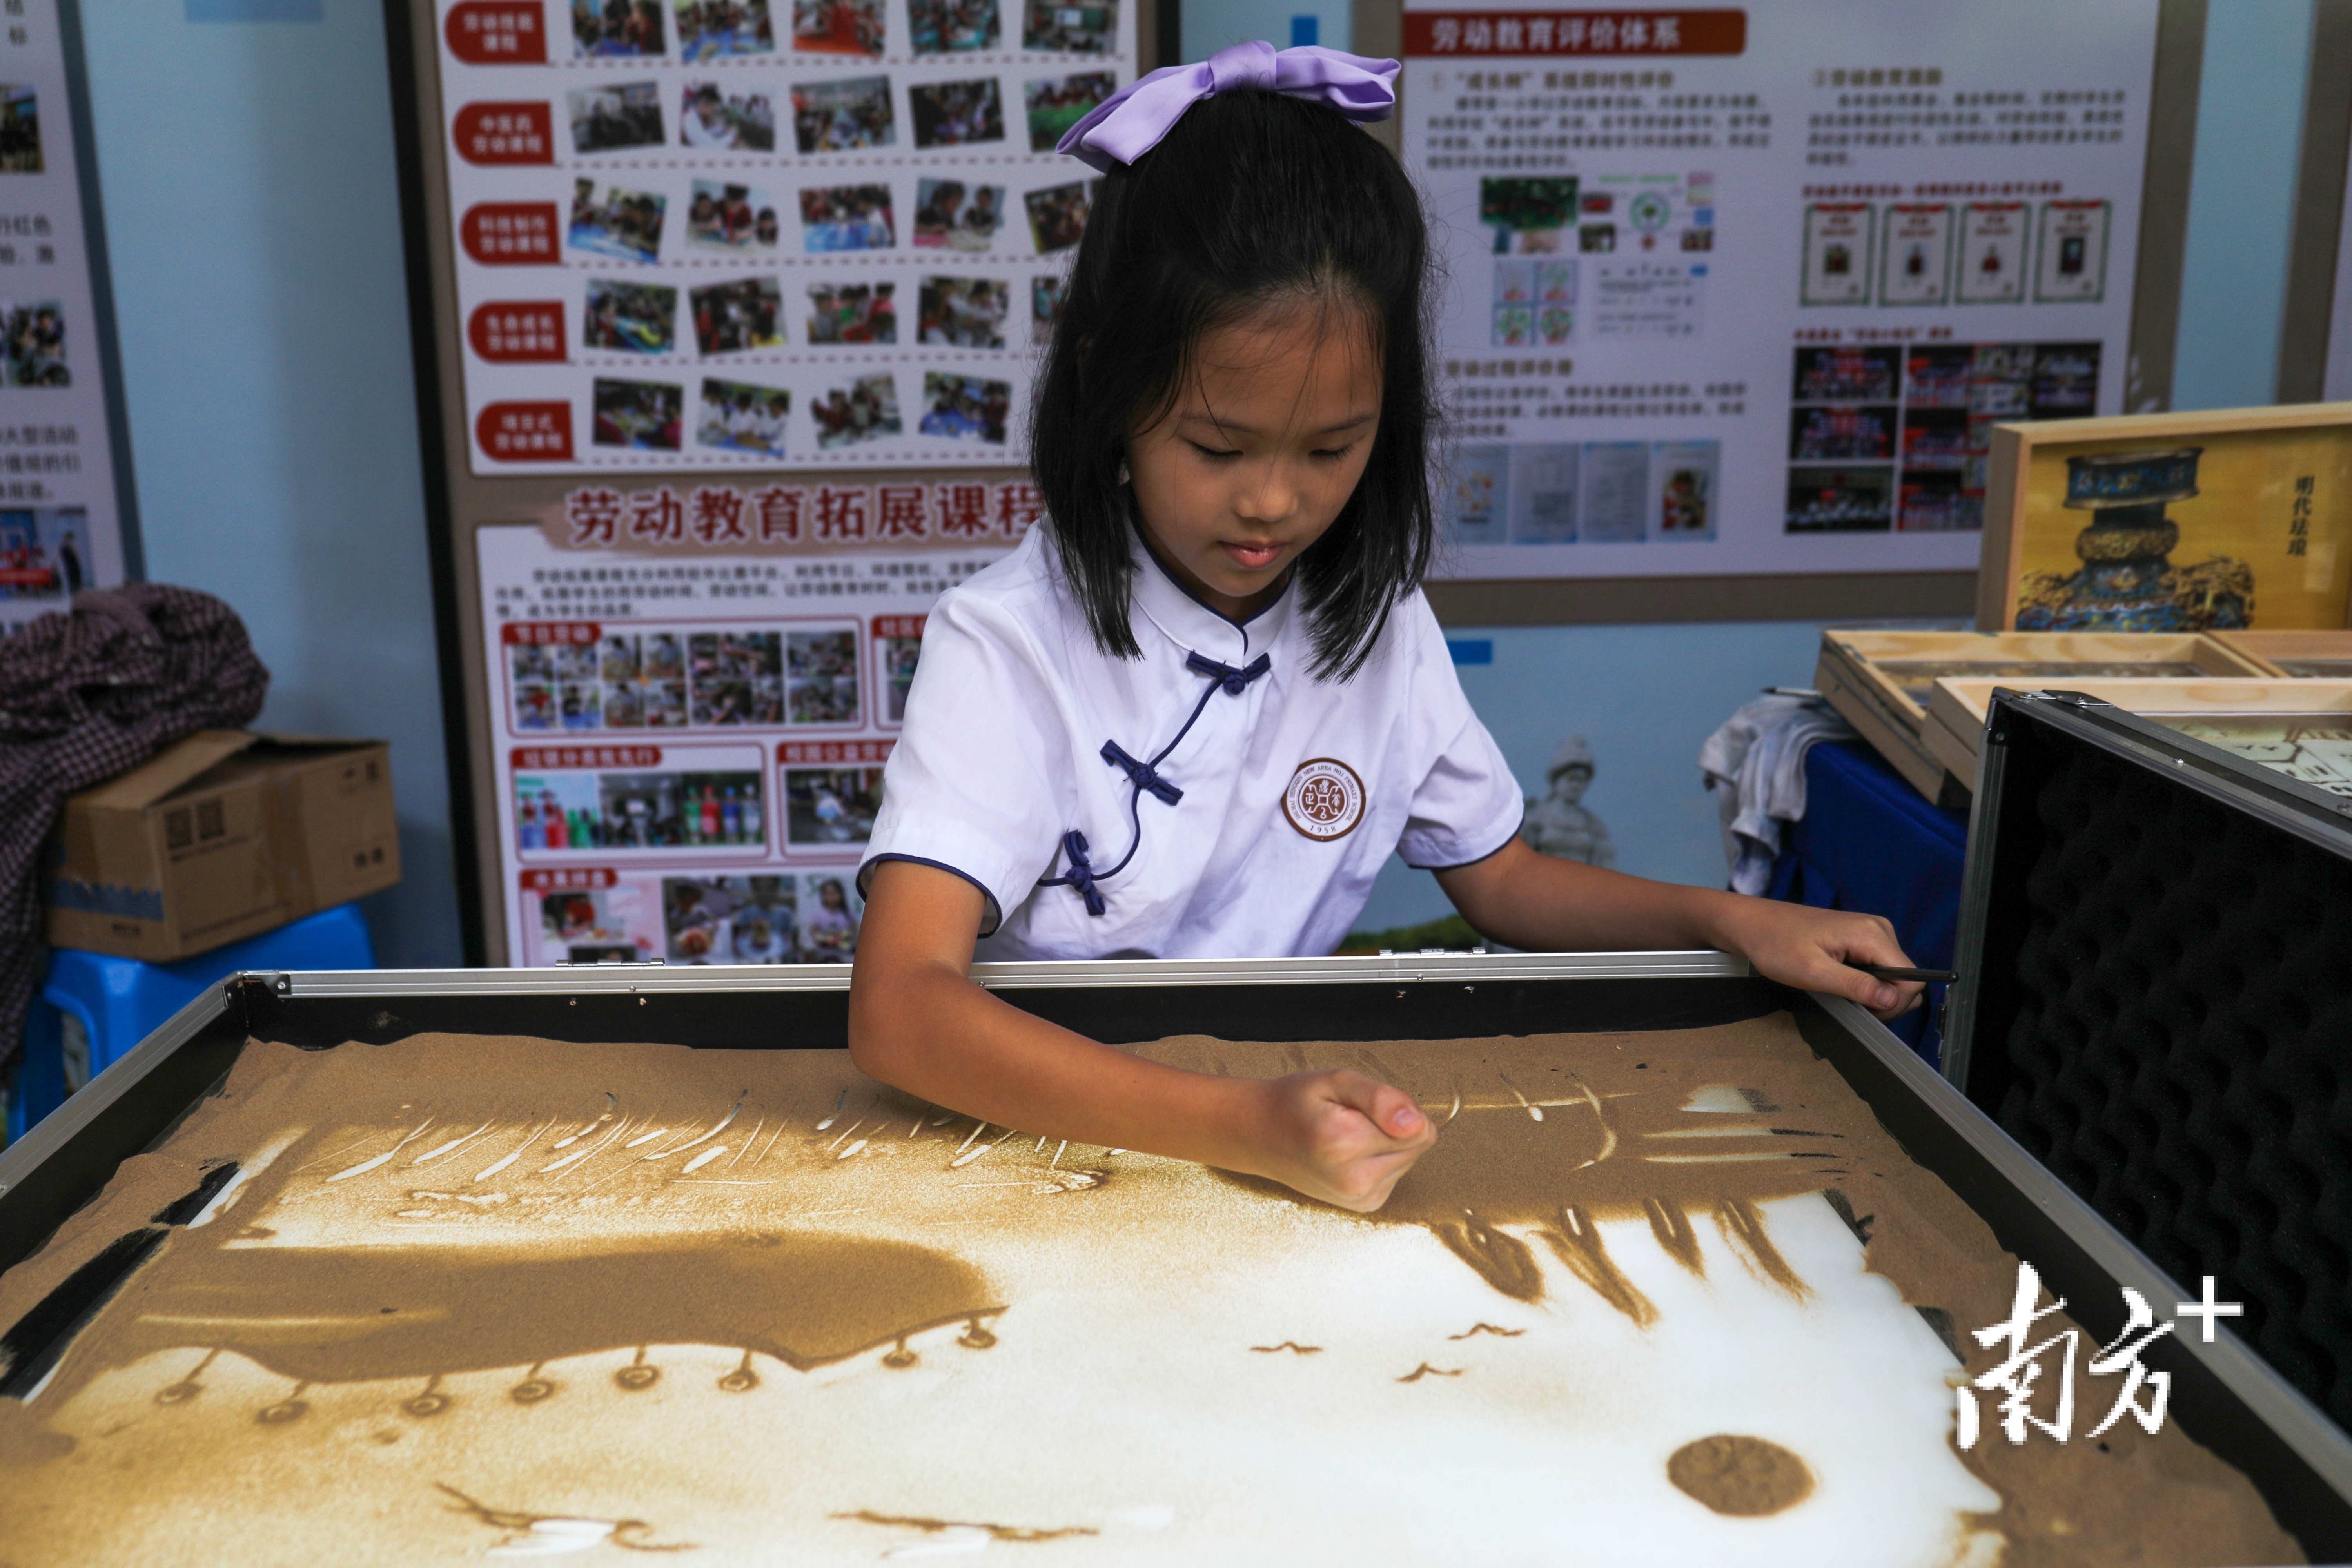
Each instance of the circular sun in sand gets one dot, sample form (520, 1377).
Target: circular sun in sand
(1745, 1476)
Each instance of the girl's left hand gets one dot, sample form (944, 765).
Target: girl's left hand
(1808, 948)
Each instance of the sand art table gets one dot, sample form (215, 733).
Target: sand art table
(1658, 1295)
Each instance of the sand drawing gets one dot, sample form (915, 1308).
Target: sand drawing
(459, 1298)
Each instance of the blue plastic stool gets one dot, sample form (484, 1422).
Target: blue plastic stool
(119, 1002)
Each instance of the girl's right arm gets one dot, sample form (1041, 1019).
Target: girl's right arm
(918, 1022)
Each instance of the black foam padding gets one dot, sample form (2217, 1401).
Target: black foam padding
(2169, 1028)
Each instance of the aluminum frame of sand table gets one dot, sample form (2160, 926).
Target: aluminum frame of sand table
(2225, 1395)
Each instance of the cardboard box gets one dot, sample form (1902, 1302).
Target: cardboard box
(225, 836)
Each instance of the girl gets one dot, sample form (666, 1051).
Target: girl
(1194, 713)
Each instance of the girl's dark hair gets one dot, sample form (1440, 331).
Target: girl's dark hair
(1253, 198)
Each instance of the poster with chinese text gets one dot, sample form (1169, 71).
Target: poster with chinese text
(691, 714)
(1738, 291)
(762, 233)
(61, 519)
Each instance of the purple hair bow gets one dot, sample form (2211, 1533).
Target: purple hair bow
(1130, 122)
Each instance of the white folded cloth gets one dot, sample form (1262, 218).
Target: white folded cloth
(1756, 765)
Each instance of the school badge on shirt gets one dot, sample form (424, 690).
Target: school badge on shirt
(1325, 799)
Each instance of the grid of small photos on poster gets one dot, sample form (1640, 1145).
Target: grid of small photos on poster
(698, 233)
(1894, 436)
(688, 753)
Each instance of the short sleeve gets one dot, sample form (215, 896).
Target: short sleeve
(1467, 804)
(970, 787)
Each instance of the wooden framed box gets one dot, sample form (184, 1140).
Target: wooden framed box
(2302, 655)
(2302, 729)
(1879, 681)
(2215, 520)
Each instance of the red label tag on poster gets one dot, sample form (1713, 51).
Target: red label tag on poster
(534, 758)
(569, 879)
(497, 33)
(899, 625)
(550, 634)
(834, 751)
(525, 432)
(509, 234)
(527, 332)
(1615, 34)
(492, 133)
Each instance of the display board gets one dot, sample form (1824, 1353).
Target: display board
(1742, 290)
(821, 232)
(66, 503)
(725, 311)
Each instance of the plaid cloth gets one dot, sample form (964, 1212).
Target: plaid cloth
(85, 696)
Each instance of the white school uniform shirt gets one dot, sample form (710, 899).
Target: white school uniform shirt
(1292, 791)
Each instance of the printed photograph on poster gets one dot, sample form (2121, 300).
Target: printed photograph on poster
(847, 218)
(1057, 216)
(898, 656)
(610, 221)
(594, 925)
(1479, 495)
(617, 29)
(864, 410)
(951, 215)
(831, 808)
(570, 810)
(1837, 254)
(737, 416)
(737, 677)
(1543, 483)
(1914, 254)
(966, 407)
(728, 218)
(45, 554)
(1848, 375)
(961, 312)
(1067, 29)
(630, 318)
(2073, 251)
(749, 918)
(821, 671)
(953, 27)
(1047, 291)
(715, 29)
(843, 115)
(1991, 270)
(838, 28)
(643, 414)
(852, 313)
(1056, 103)
(1841, 499)
(1534, 302)
(1843, 431)
(20, 131)
(1528, 215)
(1612, 498)
(617, 118)
(37, 343)
(711, 119)
(1684, 475)
(730, 318)
(956, 113)
(830, 911)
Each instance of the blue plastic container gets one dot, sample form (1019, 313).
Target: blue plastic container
(98, 1003)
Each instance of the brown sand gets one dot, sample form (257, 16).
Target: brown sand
(1743, 1477)
(1547, 1136)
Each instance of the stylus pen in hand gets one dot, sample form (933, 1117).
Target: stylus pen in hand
(1888, 972)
